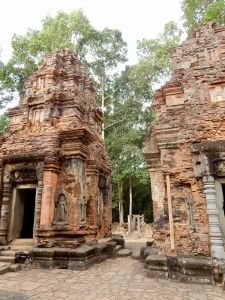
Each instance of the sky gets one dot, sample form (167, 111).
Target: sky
(136, 19)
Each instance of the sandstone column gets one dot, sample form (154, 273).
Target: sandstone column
(215, 234)
(50, 178)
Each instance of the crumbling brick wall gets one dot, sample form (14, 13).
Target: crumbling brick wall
(190, 109)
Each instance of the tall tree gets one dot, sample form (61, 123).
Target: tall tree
(197, 11)
(126, 127)
(108, 50)
(127, 122)
(154, 66)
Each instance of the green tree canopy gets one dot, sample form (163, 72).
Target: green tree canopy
(126, 127)
(195, 12)
(154, 66)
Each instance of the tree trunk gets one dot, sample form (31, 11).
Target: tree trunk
(103, 102)
(120, 187)
(130, 193)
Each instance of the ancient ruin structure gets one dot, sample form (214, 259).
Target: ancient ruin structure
(55, 172)
(185, 149)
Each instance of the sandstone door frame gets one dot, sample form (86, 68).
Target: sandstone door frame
(217, 249)
(219, 182)
(25, 186)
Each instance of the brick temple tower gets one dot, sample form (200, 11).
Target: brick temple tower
(55, 171)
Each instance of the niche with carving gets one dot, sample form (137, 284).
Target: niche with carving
(189, 208)
(61, 208)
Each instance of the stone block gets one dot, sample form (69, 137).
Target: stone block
(156, 260)
(196, 270)
(124, 253)
(82, 253)
(118, 239)
(196, 279)
(81, 265)
(142, 251)
(150, 251)
(157, 274)
(24, 256)
(111, 248)
(101, 253)
(61, 258)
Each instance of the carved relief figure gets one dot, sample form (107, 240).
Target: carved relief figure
(61, 209)
(83, 203)
(188, 202)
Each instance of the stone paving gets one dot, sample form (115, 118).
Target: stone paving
(121, 278)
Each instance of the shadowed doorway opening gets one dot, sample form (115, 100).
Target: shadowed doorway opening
(28, 219)
(23, 216)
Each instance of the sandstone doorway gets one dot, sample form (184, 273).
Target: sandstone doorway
(22, 216)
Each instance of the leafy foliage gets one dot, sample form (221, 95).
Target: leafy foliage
(126, 128)
(154, 66)
(4, 123)
(195, 12)
(215, 12)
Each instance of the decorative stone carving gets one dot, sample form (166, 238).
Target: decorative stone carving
(175, 100)
(100, 205)
(219, 167)
(188, 203)
(82, 216)
(217, 93)
(61, 209)
(20, 175)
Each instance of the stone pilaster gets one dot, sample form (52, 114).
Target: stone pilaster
(5, 212)
(215, 234)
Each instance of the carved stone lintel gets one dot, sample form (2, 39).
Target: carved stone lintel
(25, 174)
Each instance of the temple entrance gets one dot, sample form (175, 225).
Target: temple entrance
(28, 197)
(22, 216)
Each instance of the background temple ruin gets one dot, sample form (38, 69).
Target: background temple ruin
(185, 148)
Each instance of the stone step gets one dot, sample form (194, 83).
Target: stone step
(124, 252)
(22, 242)
(118, 247)
(7, 253)
(20, 247)
(9, 259)
(133, 237)
(136, 255)
(15, 267)
(4, 267)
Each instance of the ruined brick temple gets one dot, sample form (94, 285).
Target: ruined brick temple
(185, 148)
(55, 172)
